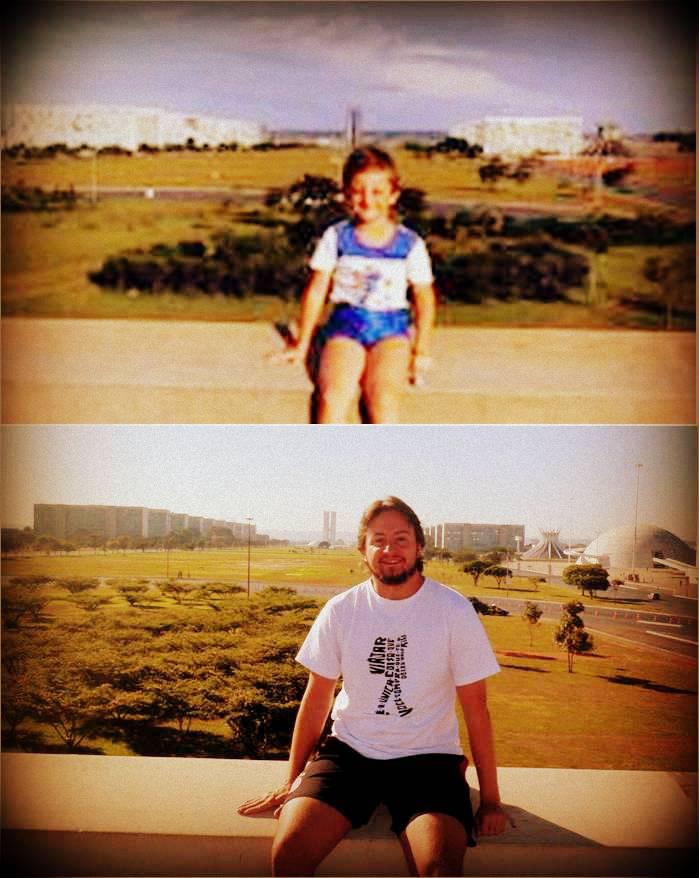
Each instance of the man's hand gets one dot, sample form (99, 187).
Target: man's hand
(270, 802)
(491, 819)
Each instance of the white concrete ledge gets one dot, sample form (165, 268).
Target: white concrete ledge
(159, 371)
(143, 816)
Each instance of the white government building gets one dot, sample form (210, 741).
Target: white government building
(524, 135)
(37, 125)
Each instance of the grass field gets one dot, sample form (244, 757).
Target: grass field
(46, 256)
(623, 707)
(442, 177)
(271, 565)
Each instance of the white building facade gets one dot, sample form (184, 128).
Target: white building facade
(524, 135)
(96, 126)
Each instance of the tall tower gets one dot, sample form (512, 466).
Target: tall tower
(329, 530)
(353, 130)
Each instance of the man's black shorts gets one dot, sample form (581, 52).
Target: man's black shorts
(431, 783)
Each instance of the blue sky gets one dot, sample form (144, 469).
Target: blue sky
(407, 65)
(579, 479)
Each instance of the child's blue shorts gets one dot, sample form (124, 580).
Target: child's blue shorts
(365, 326)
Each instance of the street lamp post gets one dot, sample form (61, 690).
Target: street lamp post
(249, 521)
(639, 466)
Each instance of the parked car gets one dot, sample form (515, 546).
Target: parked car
(494, 610)
(487, 609)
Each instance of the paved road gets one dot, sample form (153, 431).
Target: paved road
(671, 631)
(242, 195)
(130, 371)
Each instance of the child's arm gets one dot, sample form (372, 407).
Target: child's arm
(425, 307)
(312, 302)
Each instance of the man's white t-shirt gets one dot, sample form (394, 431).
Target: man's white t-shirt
(375, 278)
(400, 661)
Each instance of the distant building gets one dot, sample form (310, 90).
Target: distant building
(64, 521)
(456, 537)
(330, 527)
(617, 547)
(524, 135)
(156, 523)
(548, 548)
(37, 125)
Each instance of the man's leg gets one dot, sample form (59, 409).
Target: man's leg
(308, 831)
(434, 844)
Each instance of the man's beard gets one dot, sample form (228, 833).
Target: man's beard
(399, 578)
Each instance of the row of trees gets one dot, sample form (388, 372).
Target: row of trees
(26, 153)
(19, 198)
(15, 540)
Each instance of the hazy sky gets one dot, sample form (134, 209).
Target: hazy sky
(408, 65)
(579, 479)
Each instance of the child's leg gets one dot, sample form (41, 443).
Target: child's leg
(385, 378)
(342, 363)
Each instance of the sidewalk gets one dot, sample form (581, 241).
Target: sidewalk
(120, 371)
(114, 815)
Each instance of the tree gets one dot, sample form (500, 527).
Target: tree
(17, 603)
(498, 573)
(48, 544)
(492, 171)
(475, 569)
(587, 577)
(464, 555)
(674, 280)
(531, 615)
(14, 539)
(571, 633)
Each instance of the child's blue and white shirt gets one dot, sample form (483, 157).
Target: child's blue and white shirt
(375, 278)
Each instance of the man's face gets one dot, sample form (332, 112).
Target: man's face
(391, 550)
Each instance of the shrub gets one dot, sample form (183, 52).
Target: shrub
(531, 270)
(19, 198)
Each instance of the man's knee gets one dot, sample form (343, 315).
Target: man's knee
(290, 858)
(442, 866)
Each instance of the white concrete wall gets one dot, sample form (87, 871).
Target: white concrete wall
(111, 815)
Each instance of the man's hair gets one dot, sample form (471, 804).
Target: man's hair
(384, 505)
(365, 158)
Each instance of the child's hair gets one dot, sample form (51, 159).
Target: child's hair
(366, 157)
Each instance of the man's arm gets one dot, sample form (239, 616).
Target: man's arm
(490, 818)
(310, 721)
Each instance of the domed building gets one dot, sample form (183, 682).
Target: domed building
(615, 547)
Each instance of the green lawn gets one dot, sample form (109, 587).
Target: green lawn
(273, 565)
(277, 566)
(623, 707)
(46, 256)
